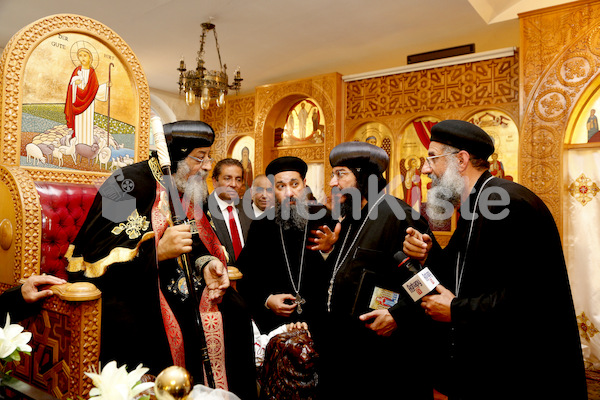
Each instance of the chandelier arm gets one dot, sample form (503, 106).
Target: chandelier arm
(202, 40)
(218, 49)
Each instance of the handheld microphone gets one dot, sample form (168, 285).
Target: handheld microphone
(423, 281)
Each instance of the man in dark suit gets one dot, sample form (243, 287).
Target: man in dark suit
(227, 218)
(262, 196)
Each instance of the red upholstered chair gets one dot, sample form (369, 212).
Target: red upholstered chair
(38, 221)
(64, 209)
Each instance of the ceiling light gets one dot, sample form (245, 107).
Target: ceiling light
(207, 84)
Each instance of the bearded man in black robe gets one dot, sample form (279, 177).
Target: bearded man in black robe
(282, 262)
(510, 323)
(376, 335)
(147, 312)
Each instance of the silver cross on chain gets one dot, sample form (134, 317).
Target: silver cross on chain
(299, 301)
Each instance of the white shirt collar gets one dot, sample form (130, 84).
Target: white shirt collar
(223, 204)
(257, 211)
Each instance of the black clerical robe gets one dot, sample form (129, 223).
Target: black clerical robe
(377, 366)
(513, 332)
(123, 266)
(13, 304)
(266, 272)
(122, 263)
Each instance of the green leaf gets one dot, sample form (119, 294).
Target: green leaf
(15, 356)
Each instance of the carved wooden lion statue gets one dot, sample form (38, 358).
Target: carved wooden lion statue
(289, 372)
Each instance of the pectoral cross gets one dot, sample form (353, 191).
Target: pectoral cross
(299, 301)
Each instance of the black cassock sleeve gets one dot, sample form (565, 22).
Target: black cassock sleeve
(12, 303)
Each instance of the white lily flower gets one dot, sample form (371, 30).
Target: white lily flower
(117, 384)
(13, 338)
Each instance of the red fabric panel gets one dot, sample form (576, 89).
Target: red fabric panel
(424, 131)
(64, 209)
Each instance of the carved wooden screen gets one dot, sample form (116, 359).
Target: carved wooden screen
(559, 152)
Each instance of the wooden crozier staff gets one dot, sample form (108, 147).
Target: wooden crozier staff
(108, 107)
(179, 217)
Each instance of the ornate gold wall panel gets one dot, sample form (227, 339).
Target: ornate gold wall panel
(240, 115)
(560, 54)
(451, 92)
(215, 117)
(486, 83)
(234, 120)
(457, 91)
(309, 153)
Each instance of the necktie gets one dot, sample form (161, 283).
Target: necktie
(235, 236)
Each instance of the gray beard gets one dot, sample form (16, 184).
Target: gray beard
(287, 215)
(194, 188)
(445, 194)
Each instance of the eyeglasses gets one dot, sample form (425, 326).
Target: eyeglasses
(202, 160)
(339, 174)
(428, 159)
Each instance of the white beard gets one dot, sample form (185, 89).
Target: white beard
(445, 194)
(194, 188)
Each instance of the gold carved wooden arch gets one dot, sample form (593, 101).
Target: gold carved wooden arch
(560, 58)
(325, 90)
(21, 225)
(13, 63)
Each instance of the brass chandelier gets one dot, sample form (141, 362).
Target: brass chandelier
(207, 84)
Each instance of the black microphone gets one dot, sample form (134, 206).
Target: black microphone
(412, 265)
(423, 281)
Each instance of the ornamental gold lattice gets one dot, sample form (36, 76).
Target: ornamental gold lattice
(583, 189)
(587, 330)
